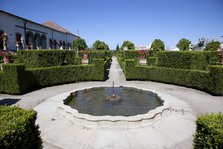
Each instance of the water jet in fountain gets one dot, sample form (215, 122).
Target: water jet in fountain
(113, 98)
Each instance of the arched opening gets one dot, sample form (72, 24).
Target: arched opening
(64, 45)
(43, 41)
(55, 44)
(30, 39)
(50, 44)
(61, 43)
(37, 41)
(18, 37)
(1, 39)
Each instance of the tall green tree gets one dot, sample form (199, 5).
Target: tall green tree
(100, 45)
(117, 48)
(212, 46)
(158, 45)
(184, 44)
(79, 44)
(128, 44)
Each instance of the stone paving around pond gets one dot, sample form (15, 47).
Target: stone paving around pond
(173, 129)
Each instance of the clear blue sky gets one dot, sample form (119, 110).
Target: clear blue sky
(140, 21)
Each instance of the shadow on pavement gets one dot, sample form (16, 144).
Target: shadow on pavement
(8, 101)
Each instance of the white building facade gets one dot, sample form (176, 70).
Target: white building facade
(22, 33)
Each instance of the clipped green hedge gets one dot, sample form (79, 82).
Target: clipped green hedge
(18, 129)
(14, 79)
(212, 57)
(42, 77)
(94, 54)
(46, 58)
(130, 54)
(100, 72)
(1, 81)
(182, 60)
(152, 61)
(209, 132)
(215, 82)
(196, 60)
(210, 81)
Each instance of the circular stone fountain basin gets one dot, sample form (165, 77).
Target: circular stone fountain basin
(117, 101)
(108, 121)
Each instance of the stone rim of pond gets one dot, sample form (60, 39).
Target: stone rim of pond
(108, 121)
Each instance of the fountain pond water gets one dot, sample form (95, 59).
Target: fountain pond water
(113, 101)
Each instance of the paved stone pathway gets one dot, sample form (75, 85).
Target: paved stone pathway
(171, 131)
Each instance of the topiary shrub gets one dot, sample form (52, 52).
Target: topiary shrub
(209, 132)
(18, 129)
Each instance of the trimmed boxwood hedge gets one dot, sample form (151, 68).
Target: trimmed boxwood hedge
(210, 81)
(42, 77)
(1, 81)
(182, 60)
(215, 84)
(152, 61)
(130, 54)
(18, 129)
(209, 132)
(196, 60)
(46, 58)
(15, 79)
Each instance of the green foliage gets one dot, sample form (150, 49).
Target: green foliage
(128, 44)
(130, 69)
(184, 44)
(158, 45)
(100, 45)
(215, 84)
(1, 81)
(94, 54)
(1, 59)
(130, 54)
(182, 60)
(152, 53)
(209, 81)
(152, 61)
(18, 129)
(117, 48)
(212, 46)
(100, 69)
(211, 57)
(49, 76)
(189, 78)
(14, 79)
(209, 132)
(46, 58)
(79, 44)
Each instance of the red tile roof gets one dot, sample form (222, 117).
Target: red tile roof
(55, 26)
